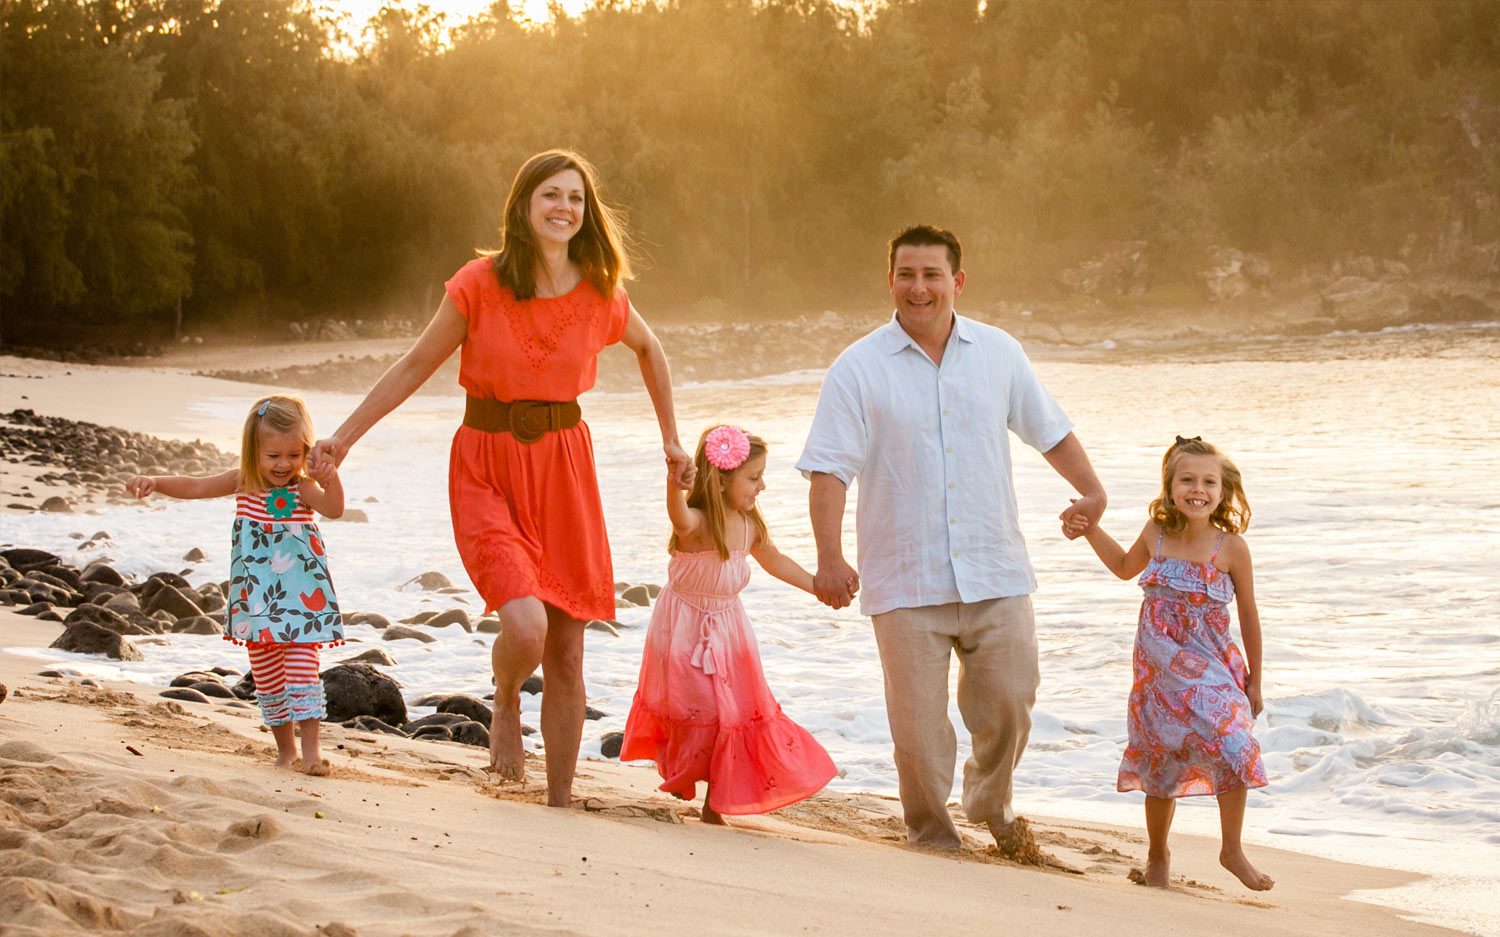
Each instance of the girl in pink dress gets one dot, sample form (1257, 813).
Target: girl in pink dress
(702, 710)
(1195, 697)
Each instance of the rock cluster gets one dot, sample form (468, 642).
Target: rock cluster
(99, 459)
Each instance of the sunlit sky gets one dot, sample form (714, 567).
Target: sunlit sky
(360, 11)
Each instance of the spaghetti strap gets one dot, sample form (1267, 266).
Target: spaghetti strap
(1217, 543)
(746, 519)
(1158, 544)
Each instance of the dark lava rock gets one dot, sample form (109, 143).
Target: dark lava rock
(186, 694)
(469, 708)
(245, 689)
(24, 558)
(85, 637)
(194, 676)
(418, 618)
(590, 712)
(193, 555)
(102, 573)
(611, 743)
(374, 619)
(533, 684)
(433, 732)
(371, 724)
(487, 626)
(36, 608)
(173, 601)
(375, 655)
(453, 616)
(640, 595)
(361, 690)
(436, 719)
(213, 688)
(105, 618)
(57, 504)
(471, 733)
(427, 581)
(198, 624)
(401, 632)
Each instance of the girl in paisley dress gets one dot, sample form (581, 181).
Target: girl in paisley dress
(281, 601)
(702, 710)
(1195, 697)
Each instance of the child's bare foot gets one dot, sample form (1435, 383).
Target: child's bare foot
(1158, 869)
(289, 760)
(318, 769)
(507, 754)
(1249, 876)
(710, 815)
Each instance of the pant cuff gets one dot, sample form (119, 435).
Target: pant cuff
(273, 708)
(307, 701)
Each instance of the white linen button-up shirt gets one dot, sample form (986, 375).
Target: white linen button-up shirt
(936, 520)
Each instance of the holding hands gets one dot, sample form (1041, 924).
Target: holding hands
(1081, 516)
(141, 486)
(836, 584)
(680, 468)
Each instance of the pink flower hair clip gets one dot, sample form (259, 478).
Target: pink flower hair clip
(726, 448)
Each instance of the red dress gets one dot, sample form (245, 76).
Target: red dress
(527, 518)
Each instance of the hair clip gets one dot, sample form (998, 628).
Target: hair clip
(726, 448)
(1181, 440)
(261, 410)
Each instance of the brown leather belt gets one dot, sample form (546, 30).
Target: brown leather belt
(527, 420)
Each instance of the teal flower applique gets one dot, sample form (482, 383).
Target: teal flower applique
(280, 503)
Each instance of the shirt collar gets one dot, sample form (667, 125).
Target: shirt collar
(893, 337)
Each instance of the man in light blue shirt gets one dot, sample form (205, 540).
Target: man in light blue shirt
(920, 411)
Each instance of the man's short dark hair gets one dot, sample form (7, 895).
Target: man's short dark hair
(926, 235)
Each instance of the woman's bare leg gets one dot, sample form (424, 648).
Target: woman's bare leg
(563, 703)
(515, 656)
(1231, 853)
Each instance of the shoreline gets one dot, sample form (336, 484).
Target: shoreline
(859, 821)
(205, 828)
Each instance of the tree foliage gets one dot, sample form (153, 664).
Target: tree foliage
(262, 156)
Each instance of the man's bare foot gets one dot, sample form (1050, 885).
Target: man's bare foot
(289, 760)
(507, 754)
(710, 815)
(1015, 842)
(1249, 876)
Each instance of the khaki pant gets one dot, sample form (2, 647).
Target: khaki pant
(997, 682)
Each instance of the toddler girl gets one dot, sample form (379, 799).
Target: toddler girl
(1194, 698)
(702, 710)
(281, 601)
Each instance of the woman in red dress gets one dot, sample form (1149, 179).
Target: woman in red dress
(531, 319)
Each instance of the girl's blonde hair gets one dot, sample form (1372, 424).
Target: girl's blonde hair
(708, 495)
(1233, 511)
(600, 248)
(280, 415)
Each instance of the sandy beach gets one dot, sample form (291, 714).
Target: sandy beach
(125, 812)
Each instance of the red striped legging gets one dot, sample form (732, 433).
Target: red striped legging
(287, 684)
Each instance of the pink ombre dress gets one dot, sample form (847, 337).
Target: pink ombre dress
(702, 710)
(1189, 719)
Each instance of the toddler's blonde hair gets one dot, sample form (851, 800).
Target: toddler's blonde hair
(279, 414)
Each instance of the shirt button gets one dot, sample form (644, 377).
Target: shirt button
(953, 520)
(955, 554)
(945, 413)
(949, 449)
(950, 484)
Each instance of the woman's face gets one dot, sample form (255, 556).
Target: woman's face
(557, 208)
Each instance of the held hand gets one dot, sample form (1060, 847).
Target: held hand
(322, 471)
(330, 451)
(680, 468)
(141, 486)
(1081, 516)
(836, 584)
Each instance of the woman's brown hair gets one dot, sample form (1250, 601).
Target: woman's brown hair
(599, 247)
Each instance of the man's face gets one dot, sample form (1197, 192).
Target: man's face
(924, 285)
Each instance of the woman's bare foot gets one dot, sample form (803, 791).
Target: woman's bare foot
(1158, 869)
(1249, 875)
(710, 815)
(507, 754)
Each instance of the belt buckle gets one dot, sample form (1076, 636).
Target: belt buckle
(530, 419)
